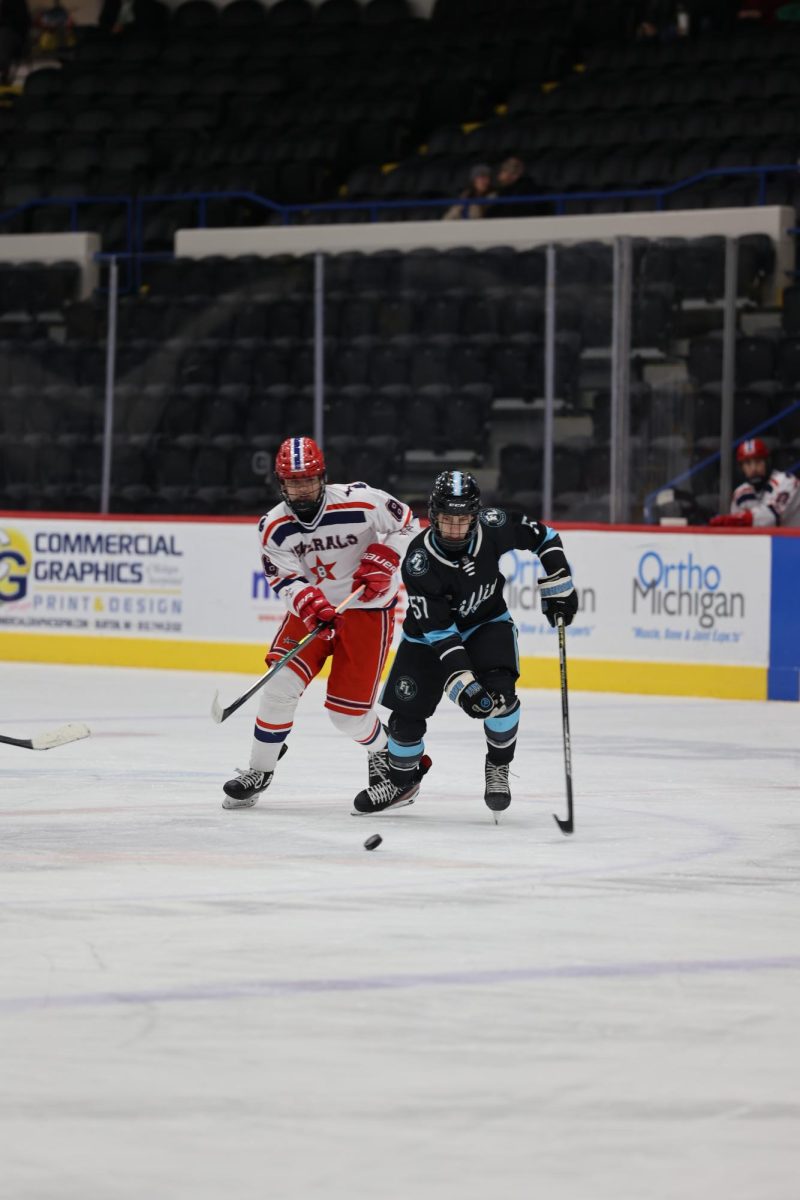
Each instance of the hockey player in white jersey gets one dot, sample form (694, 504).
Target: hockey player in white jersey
(317, 546)
(766, 498)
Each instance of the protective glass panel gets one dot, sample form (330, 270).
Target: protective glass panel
(52, 365)
(677, 365)
(582, 425)
(214, 368)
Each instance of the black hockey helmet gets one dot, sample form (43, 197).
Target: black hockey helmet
(455, 494)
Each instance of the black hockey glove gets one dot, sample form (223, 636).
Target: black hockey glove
(463, 689)
(558, 596)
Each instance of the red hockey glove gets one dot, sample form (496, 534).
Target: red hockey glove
(743, 518)
(314, 609)
(375, 570)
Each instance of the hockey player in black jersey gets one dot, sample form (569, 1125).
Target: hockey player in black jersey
(458, 636)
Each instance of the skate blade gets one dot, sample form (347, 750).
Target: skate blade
(229, 803)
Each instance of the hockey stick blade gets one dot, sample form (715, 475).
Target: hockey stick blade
(51, 739)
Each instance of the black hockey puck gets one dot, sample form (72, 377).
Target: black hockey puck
(373, 842)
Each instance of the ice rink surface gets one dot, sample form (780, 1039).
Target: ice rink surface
(200, 1004)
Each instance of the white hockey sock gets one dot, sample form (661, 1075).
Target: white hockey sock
(274, 721)
(364, 728)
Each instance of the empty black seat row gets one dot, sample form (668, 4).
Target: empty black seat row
(186, 474)
(682, 263)
(497, 313)
(37, 287)
(758, 360)
(513, 367)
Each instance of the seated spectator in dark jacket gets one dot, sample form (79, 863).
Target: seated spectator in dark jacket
(480, 187)
(512, 180)
(15, 24)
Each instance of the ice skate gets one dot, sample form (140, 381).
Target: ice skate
(244, 790)
(380, 796)
(497, 794)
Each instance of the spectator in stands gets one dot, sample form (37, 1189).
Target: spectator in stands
(55, 28)
(480, 187)
(15, 25)
(513, 180)
(767, 497)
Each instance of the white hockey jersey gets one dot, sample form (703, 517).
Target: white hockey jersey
(778, 502)
(327, 552)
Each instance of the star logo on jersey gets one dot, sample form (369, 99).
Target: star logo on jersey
(322, 570)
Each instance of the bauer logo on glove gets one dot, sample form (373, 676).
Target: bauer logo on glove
(376, 569)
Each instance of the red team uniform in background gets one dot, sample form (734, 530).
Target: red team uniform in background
(767, 498)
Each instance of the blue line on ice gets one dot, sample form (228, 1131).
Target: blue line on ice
(294, 987)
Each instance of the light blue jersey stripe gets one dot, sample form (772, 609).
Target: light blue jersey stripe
(430, 639)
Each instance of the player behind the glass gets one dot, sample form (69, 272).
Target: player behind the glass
(766, 498)
(317, 546)
(458, 635)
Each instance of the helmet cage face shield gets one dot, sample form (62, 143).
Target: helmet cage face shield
(454, 494)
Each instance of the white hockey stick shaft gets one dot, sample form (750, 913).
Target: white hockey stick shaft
(47, 741)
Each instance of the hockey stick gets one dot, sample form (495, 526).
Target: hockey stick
(220, 714)
(46, 741)
(569, 825)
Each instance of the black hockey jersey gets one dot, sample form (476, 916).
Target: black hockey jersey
(449, 597)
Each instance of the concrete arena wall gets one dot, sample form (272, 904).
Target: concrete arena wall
(694, 613)
(523, 233)
(80, 248)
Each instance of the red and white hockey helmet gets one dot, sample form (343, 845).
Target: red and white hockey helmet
(751, 448)
(300, 458)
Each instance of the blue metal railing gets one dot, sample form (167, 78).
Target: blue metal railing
(136, 206)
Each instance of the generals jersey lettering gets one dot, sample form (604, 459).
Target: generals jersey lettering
(448, 598)
(777, 503)
(327, 552)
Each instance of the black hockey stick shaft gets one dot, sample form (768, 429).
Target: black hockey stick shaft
(26, 743)
(220, 714)
(568, 825)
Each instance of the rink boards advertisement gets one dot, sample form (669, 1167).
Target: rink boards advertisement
(681, 613)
